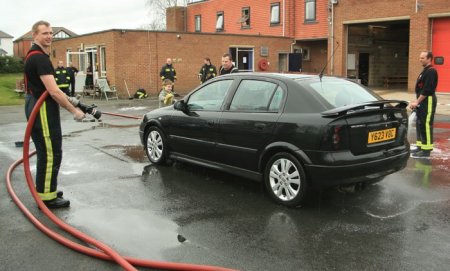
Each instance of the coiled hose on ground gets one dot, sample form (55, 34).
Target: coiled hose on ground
(103, 251)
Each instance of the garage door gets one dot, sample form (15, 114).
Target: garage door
(441, 52)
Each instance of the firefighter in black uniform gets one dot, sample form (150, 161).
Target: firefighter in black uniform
(425, 106)
(46, 131)
(227, 65)
(62, 78)
(207, 71)
(73, 74)
(168, 72)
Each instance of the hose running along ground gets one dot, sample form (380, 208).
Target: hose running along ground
(103, 251)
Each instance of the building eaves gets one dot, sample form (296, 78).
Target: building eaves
(56, 29)
(5, 35)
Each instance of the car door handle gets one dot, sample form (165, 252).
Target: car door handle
(260, 126)
(210, 123)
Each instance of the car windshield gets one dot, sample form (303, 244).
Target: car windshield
(339, 92)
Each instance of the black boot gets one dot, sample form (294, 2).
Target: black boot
(57, 203)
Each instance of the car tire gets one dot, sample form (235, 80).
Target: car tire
(155, 146)
(285, 179)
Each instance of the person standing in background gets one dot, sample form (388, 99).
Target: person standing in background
(425, 106)
(166, 94)
(227, 65)
(168, 72)
(207, 71)
(89, 82)
(72, 73)
(62, 78)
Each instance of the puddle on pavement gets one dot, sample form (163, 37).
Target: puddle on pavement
(151, 234)
(134, 152)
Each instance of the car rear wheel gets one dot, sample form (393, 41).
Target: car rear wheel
(285, 179)
(155, 146)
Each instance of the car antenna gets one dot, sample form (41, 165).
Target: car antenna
(326, 64)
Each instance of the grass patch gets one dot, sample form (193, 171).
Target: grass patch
(7, 85)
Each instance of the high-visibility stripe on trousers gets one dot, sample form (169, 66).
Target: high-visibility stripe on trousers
(48, 143)
(425, 119)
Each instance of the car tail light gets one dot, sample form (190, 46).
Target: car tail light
(336, 138)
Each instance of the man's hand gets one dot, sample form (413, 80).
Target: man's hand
(78, 115)
(413, 105)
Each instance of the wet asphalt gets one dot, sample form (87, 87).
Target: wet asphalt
(185, 213)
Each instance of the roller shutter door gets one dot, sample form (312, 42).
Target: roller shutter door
(441, 51)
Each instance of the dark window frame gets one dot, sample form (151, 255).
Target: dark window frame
(218, 14)
(309, 20)
(199, 18)
(272, 5)
(247, 22)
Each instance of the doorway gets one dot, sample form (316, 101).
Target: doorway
(363, 68)
(243, 58)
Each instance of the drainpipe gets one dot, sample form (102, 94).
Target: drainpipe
(294, 42)
(284, 17)
(332, 38)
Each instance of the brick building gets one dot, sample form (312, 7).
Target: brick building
(380, 41)
(304, 21)
(377, 42)
(23, 44)
(137, 56)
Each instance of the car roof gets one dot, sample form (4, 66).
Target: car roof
(293, 76)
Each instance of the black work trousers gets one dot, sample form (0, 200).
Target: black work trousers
(424, 123)
(48, 142)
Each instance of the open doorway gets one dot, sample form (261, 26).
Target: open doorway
(379, 51)
(85, 59)
(363, 68)
(243, 58)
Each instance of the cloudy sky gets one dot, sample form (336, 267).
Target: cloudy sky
(79, 16)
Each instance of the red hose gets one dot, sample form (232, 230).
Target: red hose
(106, 252)
(122, 115)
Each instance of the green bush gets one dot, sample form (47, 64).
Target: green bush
(9, 64)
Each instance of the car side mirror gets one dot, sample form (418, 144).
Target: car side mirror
(180, 105)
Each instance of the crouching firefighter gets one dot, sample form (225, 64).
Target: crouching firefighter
(46, 131)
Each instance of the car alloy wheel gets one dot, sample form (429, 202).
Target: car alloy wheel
(155, 146)
(285, 179)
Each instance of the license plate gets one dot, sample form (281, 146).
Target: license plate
(381, 135)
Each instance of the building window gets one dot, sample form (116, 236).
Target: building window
(61, 35)
(198, 23)
(219, 21)
(305, 53)
(275, 13)
(68, 53)
(102, 61)
(81, 60)
(310, 10)
(245, 19)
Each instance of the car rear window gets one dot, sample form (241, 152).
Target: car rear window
(339, 92)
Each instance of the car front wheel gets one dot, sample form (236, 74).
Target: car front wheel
(155, 145)
(285, 179)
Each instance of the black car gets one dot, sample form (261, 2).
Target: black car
(290, 131)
